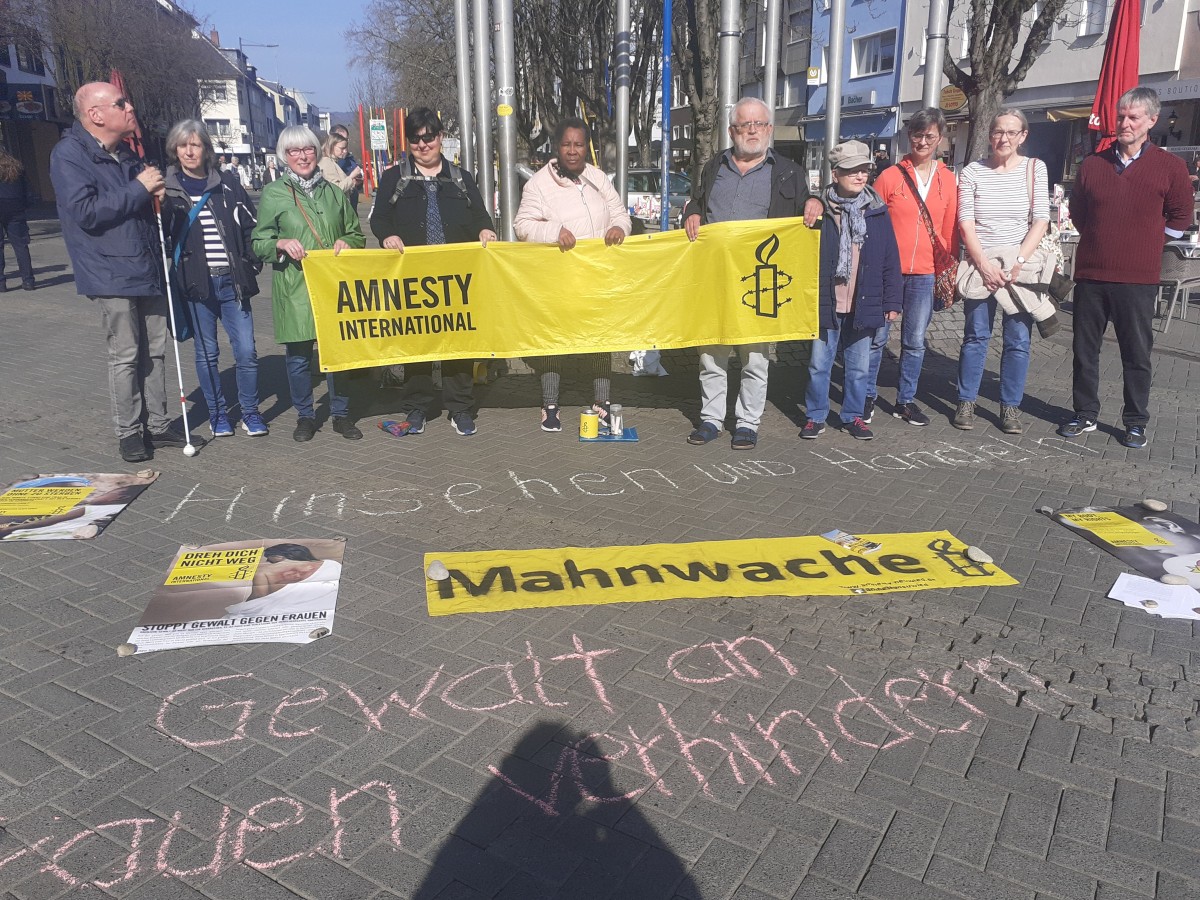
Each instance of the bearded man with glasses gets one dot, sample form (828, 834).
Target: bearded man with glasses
(747, 181)
(105, 196)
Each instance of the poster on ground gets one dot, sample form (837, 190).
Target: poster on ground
(1154, 543)
(67, 507)
(495, 580)
(244, 592)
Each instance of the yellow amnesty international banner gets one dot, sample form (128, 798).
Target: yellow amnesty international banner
(1115, 529)
(209, 566)
(738, 283)
(496, 580)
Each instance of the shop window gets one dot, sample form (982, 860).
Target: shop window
(874, 54)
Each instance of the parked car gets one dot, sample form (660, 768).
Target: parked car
(645, 197)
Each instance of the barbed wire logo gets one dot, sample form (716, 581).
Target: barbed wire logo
(769, 281)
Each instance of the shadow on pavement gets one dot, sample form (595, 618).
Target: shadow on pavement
(552, 824)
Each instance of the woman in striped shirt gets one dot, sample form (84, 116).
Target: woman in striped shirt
(215, 269)
(1001, 220)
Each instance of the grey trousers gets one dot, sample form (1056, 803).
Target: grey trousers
(136, 331)
(714, 384)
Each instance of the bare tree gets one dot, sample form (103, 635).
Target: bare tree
(998, 58)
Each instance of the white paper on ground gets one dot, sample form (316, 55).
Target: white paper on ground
(1171, 601)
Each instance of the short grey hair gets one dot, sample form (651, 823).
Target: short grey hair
(1146, 98)
(1009, 111)
(748, 101)
(297, 137)
(179, 134)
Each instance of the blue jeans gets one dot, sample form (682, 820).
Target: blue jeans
(222, 304)
(298, 358)
(1014, 355)
(855, 344)
(917, 312)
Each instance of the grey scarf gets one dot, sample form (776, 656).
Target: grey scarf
(308, 185)
(854, 226)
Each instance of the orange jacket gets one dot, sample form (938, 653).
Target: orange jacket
(916, 251)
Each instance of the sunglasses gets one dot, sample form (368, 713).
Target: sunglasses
(119, 103)
(427, 138)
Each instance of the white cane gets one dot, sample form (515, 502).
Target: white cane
(190, 449)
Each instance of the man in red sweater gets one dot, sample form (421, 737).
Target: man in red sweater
(1127, 201)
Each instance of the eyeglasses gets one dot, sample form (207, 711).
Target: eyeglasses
(1011, 135)
(297, 152)
(119, 103)
(924, 138)
(751, 126)
(427, 138)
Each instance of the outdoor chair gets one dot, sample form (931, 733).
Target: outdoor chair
(1180, 275)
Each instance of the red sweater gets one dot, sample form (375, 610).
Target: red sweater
(1121, 213)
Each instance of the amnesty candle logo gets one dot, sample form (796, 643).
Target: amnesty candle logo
(768, 279)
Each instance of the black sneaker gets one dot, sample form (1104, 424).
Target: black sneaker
(869, 410)
(133, 448)
(172, 437)
(550, 419)
(858, 430)
(1076, 427)
(1135, 437)
(812, 430)
(345, 426)
(910, 413)
(305, 429)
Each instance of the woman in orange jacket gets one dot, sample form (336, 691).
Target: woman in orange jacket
(917, 190)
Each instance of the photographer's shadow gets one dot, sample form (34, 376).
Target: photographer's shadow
(552, 824)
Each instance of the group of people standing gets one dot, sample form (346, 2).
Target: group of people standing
(881, 248)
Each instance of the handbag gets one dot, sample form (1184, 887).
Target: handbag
(945, 266)
(179, 307)
(1060, 284)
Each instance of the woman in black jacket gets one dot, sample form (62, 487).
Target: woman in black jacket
(14, 204)
(210, 218)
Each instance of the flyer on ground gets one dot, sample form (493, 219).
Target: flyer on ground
(67, 507)
(1154, 543)
(245, 592)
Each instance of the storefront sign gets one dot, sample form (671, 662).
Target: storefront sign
(867, 99)
(1180, 90)
(24, 102)
(952, 99)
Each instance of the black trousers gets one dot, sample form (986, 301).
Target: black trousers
(1130, 308)
(458, 391)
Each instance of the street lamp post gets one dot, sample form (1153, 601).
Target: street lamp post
(249, 100)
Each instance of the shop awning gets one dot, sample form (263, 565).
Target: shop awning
(787, 133)
(858, 128)
(1068, 113)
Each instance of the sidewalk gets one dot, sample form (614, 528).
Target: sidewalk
(1035, 741)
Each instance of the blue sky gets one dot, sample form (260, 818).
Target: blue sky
(312, 54)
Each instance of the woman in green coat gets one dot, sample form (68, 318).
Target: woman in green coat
(300, 212)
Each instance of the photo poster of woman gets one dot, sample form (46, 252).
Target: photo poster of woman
(244, 592)
(68, 507)
(1152, 542)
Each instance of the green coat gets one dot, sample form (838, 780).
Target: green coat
(279, 218)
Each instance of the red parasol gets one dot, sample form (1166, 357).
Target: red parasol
(134, 140)
(1119, 71)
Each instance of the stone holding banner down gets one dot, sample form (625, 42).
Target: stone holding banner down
(738, 283)
(280, 591)
(496, 580)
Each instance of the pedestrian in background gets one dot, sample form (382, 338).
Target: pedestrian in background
(348, 163)
(15, 200)
(922, 199)
(211, 219)
(334, 149)
(300, 212)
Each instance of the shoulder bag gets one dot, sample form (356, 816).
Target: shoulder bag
(1060, 285)
(183, 319)
(945, 266)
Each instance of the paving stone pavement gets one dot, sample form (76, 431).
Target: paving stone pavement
(1034, 741)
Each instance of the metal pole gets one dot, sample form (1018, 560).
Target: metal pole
(506, 96)
(729, 52)
(935, 52)
(462, 46)
(771, 56)
(833, 89)
(664, 216)
(621, 81)
(482, 17)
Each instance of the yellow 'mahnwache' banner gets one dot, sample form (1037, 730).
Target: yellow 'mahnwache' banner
(496, 580)
(739, 283)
